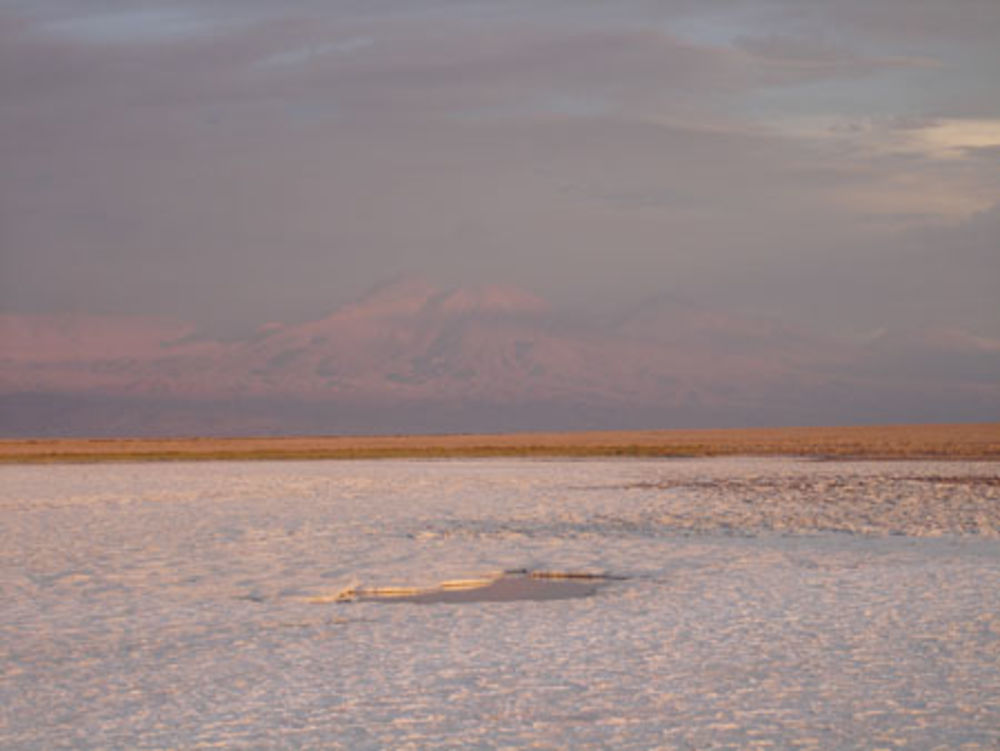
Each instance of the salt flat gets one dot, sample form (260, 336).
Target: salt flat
(755, 602)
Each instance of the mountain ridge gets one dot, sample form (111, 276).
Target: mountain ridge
(476, 349)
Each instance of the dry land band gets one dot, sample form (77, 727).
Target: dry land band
(974, 441)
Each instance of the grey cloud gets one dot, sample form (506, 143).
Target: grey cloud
(787, 59)
(911, 281)
(915, 20)
(911, 122)
(405, 67)
(989, 154)
(287, 155)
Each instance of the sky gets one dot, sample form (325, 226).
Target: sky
(234, 162)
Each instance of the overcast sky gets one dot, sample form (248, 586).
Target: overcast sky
(234, 162)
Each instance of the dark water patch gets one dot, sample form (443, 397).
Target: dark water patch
(509, 587)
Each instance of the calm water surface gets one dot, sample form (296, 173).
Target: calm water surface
(762, 603)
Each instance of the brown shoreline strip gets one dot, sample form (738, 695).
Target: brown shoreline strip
(977, 441)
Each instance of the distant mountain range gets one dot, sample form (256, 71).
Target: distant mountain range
(412, 357)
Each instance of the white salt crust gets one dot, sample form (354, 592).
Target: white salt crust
(762, 602)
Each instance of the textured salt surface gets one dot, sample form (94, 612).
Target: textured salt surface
(765, 602)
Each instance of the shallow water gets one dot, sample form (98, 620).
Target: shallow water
(506, 587)
(762, 602)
